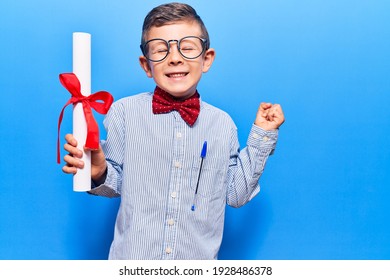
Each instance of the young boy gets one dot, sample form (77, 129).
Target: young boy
(172, 158)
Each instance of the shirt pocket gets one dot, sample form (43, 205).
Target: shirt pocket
(208, 176)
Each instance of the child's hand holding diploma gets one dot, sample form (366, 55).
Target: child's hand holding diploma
(73, 161)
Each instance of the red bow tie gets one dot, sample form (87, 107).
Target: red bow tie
(188, 109)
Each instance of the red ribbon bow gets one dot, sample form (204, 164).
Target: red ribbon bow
(72, 84)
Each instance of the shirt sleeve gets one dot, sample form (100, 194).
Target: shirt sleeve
(113, 149)
(246, 166)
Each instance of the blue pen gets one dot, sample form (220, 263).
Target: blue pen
(202, 156)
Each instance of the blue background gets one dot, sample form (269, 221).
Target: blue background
(325, 192)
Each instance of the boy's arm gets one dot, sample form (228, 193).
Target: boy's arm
(110, 183)
(247, 166)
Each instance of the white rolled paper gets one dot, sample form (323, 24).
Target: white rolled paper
(82, 69)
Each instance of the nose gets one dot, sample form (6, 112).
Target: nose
(174, 56)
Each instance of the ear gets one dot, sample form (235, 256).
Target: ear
(145, 65)
(208, 59)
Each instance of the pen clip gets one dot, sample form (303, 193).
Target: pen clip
(204, 150)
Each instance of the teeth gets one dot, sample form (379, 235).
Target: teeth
(177, 75)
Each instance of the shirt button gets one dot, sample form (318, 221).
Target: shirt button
(178, 135)
(168, 250)
(173, 194)
(255, 135)
(265, 138)
(171, 222)
(177, 164)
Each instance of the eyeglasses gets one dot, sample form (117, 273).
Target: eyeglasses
(189, 47)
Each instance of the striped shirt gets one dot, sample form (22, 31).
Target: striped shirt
(153, 165)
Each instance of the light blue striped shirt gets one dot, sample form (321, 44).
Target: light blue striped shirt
(153, 165)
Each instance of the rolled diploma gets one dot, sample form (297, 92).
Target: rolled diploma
(82, 69)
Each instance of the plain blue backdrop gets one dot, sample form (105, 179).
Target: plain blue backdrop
(325, 192)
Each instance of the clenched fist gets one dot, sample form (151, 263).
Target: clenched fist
(269, 116)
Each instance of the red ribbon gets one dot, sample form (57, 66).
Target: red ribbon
(72, 84)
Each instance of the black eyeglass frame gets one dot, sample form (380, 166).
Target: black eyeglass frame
(168, 43)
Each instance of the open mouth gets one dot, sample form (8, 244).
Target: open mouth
(176, 75)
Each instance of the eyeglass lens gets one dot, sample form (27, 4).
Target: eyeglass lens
(189, 47)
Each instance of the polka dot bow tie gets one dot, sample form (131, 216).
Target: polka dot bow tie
(188, 109)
